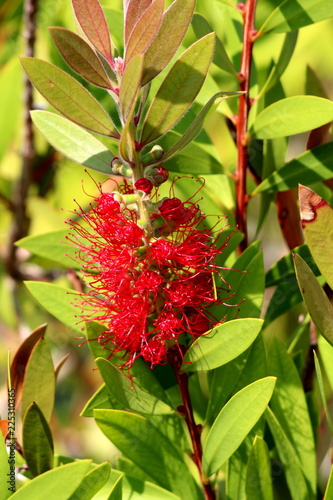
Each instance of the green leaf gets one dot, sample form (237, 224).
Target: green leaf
(312, 166)
(322, 391)
(101, 400)
(68, 96)
(39, 380)
(292, 115)
(130, 86)
(175, 22)
(117, 490)
(93, 331)
(290, 408)
(222, 344)
(57, 300)
(80, 56)
(258, 474)
(199, 122)
(295, 478)
(128, 392)
(46, 485)
(281, 64)
(7, 466)
(72, 141)
(329, 488)
(285, 296)
(316, 300)
(91, 19)
(326, 357)
(51, 246)
(283, 269)
(234, 422)
(144, 31)
(317, 223)
(92, 482)
(37, 441)
(291, 15)
(201, 28)
(152, 452)
(178, 90)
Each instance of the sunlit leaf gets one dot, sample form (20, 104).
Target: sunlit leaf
(291, 15)
(68, 96)
(69, 476)
(283, 269)
(92, 482)
(222, 344)
(39, 380)
(258, 473)
(175, 22)
(91, 19)
(80, 56)
(37, 441)
(292, 115)
(142, 443)
(144, 31)
(101, 400)
(133, 12)
(179, 89)
(234, 422)
(312, 166)
(130, 85)
(58, 301)
(72, 141)
(322, 391)
(329, 488)
(317, 223)
(316, 300)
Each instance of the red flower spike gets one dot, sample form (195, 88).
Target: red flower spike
(147, 291)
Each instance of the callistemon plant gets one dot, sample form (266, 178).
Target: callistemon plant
(151, 263)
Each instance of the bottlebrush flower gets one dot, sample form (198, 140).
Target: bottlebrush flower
(148, 287)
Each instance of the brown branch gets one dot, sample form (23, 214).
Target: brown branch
(248, 11)
(21, 221)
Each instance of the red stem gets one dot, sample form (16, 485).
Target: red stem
(194, 429)
(241, 125)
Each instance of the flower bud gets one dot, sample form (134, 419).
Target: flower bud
(144, 185)
(157, 175)
(156, 153)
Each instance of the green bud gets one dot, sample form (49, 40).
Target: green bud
(155, 154)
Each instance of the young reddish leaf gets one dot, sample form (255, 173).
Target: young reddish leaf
(80, 57)
(288, 215)
(144, 31)
(91, 19)
(175, 22)
(68, 96)
(134, 10)
(4, 427)
(130, 86)
(19, 363)
(317, 223)
(61, 364)
(37, 441)
(316, 300)
(39, 380)
(179, 89)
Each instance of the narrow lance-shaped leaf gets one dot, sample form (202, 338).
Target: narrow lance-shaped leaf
(68, 96)
(179, 89)
(130, 86)
(197, 125)
(317, 222)
(80, 56)
(258, 473)
(92, 482)
(316, 300)
(223, 344)
(175, 22)
(292, 115)
(234, 422)
(312, 166)
(291, 15)
(133, 12)
(144, 31)
(37, 441)
(91, 19)
(322, 391)
(72, 141)
(201, 28)
(39, 380)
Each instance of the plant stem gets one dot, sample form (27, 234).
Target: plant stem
(248, 11)
(194, 429)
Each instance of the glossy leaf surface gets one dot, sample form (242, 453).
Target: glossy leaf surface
(68, 96)
(223, 344)
(179, 89)
(234, 422)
